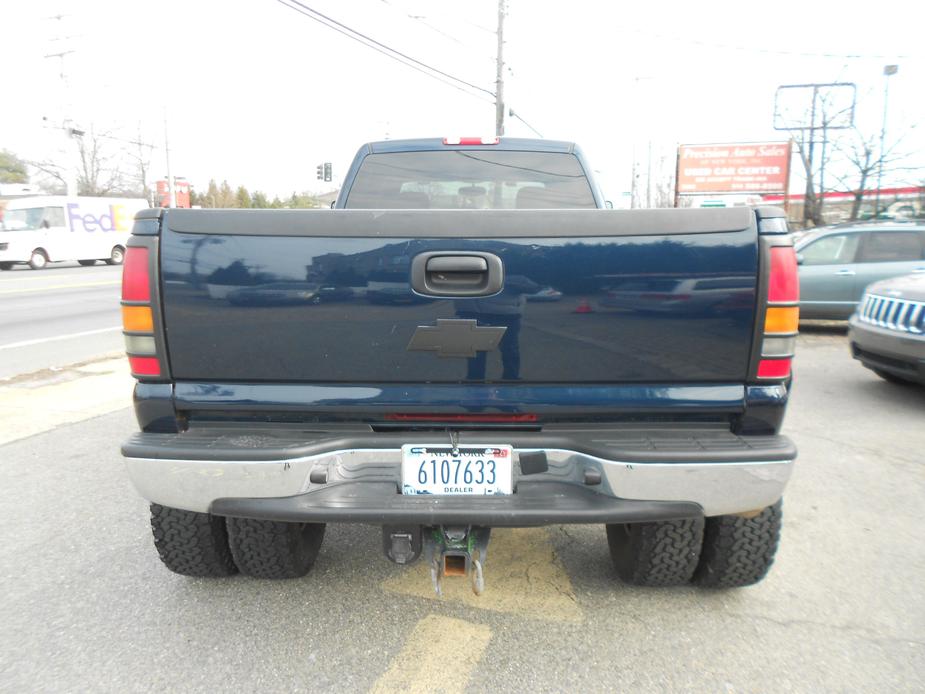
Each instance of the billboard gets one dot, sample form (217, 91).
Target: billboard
(753, 167)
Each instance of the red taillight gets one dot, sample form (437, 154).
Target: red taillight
(774, 368)
(781, 315)
(470, 418)
(471, 140)
(136, 282)
(784, 282)
(138, 314)
(145, 366)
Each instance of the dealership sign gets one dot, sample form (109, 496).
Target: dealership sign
(755, 167)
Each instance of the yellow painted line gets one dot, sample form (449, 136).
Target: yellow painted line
(523, 576)
(61, 286)
(440, 655)
(29, 408)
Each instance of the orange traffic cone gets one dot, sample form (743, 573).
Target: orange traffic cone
(584, 306)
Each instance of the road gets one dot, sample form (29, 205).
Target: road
(87, 605)
(58, 316)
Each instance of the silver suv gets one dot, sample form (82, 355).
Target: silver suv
(887, 333)
(837, 263)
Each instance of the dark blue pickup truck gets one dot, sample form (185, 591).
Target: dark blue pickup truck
(468, 341)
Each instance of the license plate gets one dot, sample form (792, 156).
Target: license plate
(469, 470)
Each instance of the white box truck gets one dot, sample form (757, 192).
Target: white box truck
(49, 229)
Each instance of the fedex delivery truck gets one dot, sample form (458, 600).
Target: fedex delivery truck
(49, 229)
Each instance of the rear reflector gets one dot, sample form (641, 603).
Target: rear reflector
(471, 140)
(144, 366)
(783, 283)
(137, 319)
(782, 319)
(774, 368)
(472, 418)
(136, 284)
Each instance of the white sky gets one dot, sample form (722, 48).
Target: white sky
(259, 94)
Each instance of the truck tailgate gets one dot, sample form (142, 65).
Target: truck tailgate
(590, 297)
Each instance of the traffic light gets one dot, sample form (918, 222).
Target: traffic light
(327, 171)
(321, 169)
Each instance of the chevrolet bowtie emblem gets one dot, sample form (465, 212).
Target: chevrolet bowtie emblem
(456, 338)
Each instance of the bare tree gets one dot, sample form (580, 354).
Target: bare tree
(100, 166)
(140, 156)
(862, 159)
(99, 174)
(812, 126)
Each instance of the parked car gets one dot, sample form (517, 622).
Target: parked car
(887, 333)
(694, 296)
(287, 293)
(545, 294)
(837, 263)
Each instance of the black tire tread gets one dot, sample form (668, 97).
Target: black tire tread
(661, 553)
(274, 549)
(739, 551)
(190, 543)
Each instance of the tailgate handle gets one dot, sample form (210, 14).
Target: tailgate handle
(462, 263)
(457, 274)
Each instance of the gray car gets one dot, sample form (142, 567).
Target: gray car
(887, 333)
(837, 263)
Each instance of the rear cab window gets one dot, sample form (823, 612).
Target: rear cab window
(470, 179)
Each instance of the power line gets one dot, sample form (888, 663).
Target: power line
(511, 113)
(422, 19)
(380, 47)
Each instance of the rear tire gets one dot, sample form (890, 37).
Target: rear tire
(892, 378)
(117, 256)
(738, 551)
(6, 266)
(192, 544)
(661, 553)
(38, 260)
(87, 263)
(273, 549)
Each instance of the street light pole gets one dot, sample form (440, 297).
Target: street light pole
(887, 71)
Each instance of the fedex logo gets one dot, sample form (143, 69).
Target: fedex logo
(117, 218)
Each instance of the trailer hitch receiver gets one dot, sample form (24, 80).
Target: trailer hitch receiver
(457, 551)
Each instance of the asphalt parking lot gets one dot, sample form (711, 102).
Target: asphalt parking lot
(88, 607)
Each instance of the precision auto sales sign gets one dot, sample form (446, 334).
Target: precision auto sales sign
(754, 167)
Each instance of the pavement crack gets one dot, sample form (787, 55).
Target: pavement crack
(867, 632)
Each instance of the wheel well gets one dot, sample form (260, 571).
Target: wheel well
(42, 251)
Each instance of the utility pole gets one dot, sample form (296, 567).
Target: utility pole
(171, 194)
(499, 75)
(887, 71)
(64, 116)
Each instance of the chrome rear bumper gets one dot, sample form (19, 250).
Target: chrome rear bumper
(368, 483)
